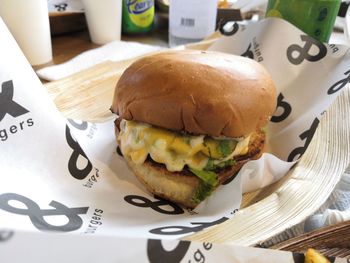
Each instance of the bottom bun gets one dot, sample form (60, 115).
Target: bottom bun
(181, 187)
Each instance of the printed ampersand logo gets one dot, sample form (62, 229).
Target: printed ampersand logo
(248, 53)
(36, 214)
(80, 126)
(157, 254)
(307, 136)
(73, 168)
(303, 52)
(286, 109)
(7, 104)
(179, 230)
(339, 84)
(141, 201)
(61, 7)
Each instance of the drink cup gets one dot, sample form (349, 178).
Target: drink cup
(28, 21)
(104, 19)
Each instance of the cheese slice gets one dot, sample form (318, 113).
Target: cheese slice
(174, 150)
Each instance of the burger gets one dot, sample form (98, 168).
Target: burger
(189, 120)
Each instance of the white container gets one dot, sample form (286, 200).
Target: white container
(191, 20)
(28, 21)
(104, 19)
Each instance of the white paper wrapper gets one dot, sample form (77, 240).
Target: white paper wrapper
(74, 248)
(52, 184)
(308, 77)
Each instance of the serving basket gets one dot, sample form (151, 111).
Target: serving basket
(264, 213)
(331, 241)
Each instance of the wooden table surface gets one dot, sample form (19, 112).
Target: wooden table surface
(67, 46)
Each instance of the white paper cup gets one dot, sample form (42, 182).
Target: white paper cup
(28, 21)
(104, 19)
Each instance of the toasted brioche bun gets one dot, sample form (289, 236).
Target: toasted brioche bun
(198, 92)
(181, 187)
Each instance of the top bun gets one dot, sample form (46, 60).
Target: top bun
(199, 92)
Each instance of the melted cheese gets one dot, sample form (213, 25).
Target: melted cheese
(174, 150)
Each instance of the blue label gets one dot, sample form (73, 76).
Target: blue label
(139, 7)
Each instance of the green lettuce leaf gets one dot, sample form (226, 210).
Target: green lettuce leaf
(202, 192)
(211, 166)
(226, 147)
(208, 177)
(209, 180)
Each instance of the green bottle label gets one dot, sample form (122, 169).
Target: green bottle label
(138, 15)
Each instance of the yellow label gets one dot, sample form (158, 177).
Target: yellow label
(141, 12)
